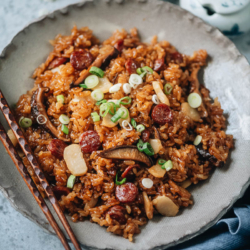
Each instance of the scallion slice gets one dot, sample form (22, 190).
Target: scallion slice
(161, 161)
(84, 86)
(97, 95)
(71, 181)
(122, 113)
(140, 128)
(65, 129)
(133, 122)
(197, 140)
(64, 119)
(91, 81)
(135, 80)
(25, 122)
(168, 89)
(147, 69)
(127, 98)
(96, 71)
(113, 108)
(140, 145)
(104, 109)
(60, 98)
(143, 74)
(119, 182)
(95, 117)
(168, 165)
(147, 149)
(100, 102)
(194, 100)
(139, 71)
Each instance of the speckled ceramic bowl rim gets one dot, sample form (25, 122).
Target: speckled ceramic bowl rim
(213, 32)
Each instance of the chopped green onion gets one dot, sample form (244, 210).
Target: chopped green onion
(147, 149)
(194, 100)
(100, 102)
(133, 122)
(113, 107)
(161, 161)
(97, 95)
(135, 80)
(197, 140)
(119, 182)
(115, 88)
(120, 102)
(140, 128)
(167, 89)
(91, 81)
(143, 74)
(84, 86)
(60, 98)
(121, 113)
(147, 69)
(96, 71)
(104, 109)
(95, 117)
(25, 122)
(139, 71)
(124, 112)
(64, 119)
(140, 145)
(65, 129)
(71, 181)
(168, 165)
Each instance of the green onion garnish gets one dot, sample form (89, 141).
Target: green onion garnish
(147, 149)
(84, 86)
(60, 98)
(96, 71)
(119, 182)
(104, 109)
(147, 69)
(71, 181)
(95, 117)
(64, 119)
(65, 129)
(97, 95)
(133, 122)
(113, 107)
(143, 74)
(121, 113)
(140, 145)
(194, 100)
(161, 161)
(25, 122)
(140, 128)
(168, 165)
(127, 98)
(168, 89)
(91, 81)
(197, 140)
(139, 71)
(100, 102)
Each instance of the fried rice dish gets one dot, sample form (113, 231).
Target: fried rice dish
(122, 128)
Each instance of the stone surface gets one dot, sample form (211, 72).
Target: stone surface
(17, 232)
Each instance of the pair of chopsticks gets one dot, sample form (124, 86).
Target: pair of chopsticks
(39, 173)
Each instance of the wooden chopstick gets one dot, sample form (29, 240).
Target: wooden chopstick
(31, 185)
(37, 169)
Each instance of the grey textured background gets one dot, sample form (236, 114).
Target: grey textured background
(17, 232)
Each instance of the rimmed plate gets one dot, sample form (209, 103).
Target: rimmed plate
(227, 76)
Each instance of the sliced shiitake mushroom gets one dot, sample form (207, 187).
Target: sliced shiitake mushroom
(106, 54)
(39, 112)
(126, 152)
